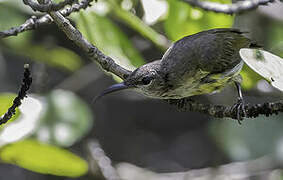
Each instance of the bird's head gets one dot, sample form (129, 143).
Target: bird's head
(145, 79)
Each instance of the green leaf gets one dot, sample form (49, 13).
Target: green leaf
(11, 17)
(6, 101)
(17, 5)
(43, 158)
(137, 24)
(21, 45)
(269, 66)
(26, 124)
(66, 119)
(109, 39)
(275, 41)
(184, 20)
(56, 56)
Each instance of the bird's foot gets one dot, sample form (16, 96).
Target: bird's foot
(239, 109)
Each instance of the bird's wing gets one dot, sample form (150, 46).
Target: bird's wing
(211, 52)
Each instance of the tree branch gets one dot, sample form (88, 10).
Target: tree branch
(27, 80)
(35, 22)
(49, 6)
(238, 7)
(106, 62)
(260, 168)
(100, 165)
(220, 111)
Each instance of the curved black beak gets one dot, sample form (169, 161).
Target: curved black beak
(111, 89)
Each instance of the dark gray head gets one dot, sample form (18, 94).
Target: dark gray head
(145, 79)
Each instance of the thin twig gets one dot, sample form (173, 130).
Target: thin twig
(50, 6)
(35, 22)
(27, 80)
(221, 111)
(30, 24)
(83, 4)
(106, 62)
(238, 7)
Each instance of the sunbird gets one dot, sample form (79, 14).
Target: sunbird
(201, 63)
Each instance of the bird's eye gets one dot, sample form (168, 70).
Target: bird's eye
(146, 80)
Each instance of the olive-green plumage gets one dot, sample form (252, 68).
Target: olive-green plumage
(213, 51)
(197, 64)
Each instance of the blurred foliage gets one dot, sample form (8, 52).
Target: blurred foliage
(27, 122)
(184, 20)
(100, 31)
(66, 119)
(59, 118)
(109, 38)
(23, 45)
(275, 42)
(250, 78)
(10, 17)
(56, 56)
(43, 158)
(17, 5)
(253, 139)
(127, 17)
(6, 101)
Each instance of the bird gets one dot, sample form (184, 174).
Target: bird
(202, 63)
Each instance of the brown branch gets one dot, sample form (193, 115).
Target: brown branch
(35, 22)
(49, 6)
(238, 7)
(221, 111)
(27, 80)
(106, 62)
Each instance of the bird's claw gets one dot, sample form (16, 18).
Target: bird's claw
(239, 108)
